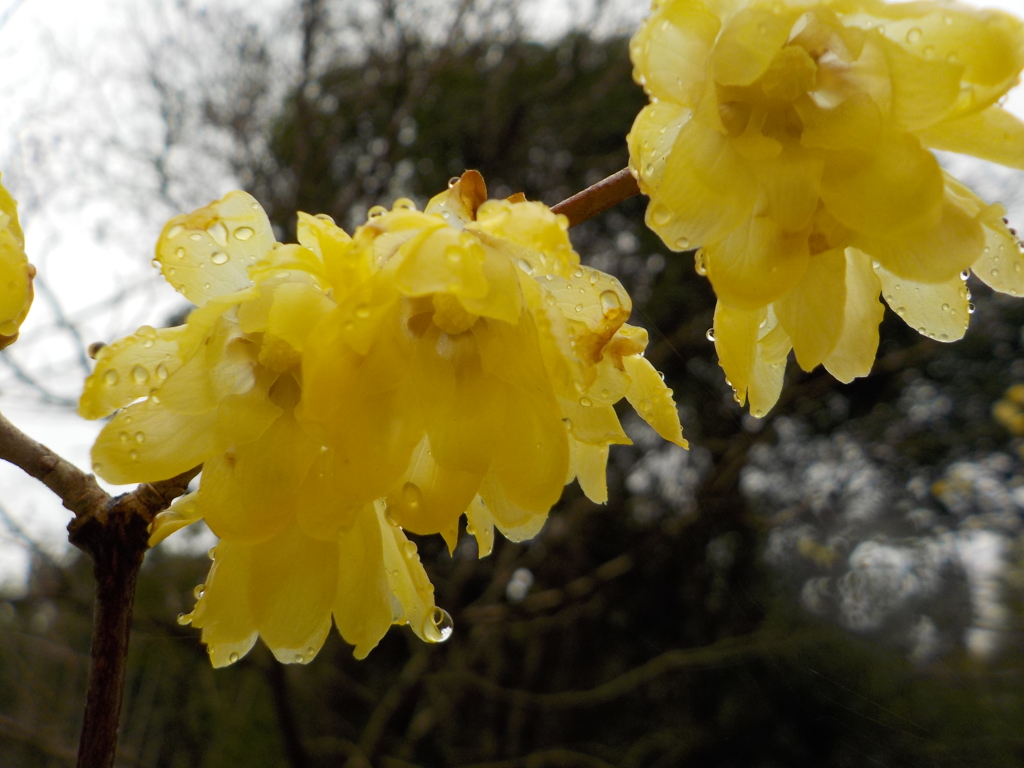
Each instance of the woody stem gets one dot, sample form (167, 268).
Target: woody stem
(598, 198)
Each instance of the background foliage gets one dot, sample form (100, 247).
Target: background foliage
(793, 591)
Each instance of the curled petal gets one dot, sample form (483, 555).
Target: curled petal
(362, 605)
(812, 313)
(936, 310)
(854, 353)
(652, 400)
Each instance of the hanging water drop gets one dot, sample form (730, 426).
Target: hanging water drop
(184, 619)
(443, 623)
(710, 334)
(95, 347)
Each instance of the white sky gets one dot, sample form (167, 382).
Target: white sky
(65, 73)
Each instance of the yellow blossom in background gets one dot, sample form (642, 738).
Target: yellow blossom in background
(340, 391)
(15, 272)
(790, 141)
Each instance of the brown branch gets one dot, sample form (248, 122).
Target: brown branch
(598, 198)
(114, 532)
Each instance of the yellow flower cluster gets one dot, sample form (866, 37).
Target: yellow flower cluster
(790, 141)
(341, 391)
(15, 272)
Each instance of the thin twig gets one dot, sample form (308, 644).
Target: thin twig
(598, 198)
(114, 532)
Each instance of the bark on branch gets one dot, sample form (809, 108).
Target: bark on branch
(598, 198)
(113, 531)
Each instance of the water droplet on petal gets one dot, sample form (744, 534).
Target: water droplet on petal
(219, 257)
(914, 35)
(140, 374)
(174, 231)
(579, 307)
(970, 309)
(362, 311)
(453, 181)
(218, 232)
(133, 455)
(586, 402)
(443, 623)
(233, 657)
(184, 619)
(110, 378)
(409, 549)
(411, 495)
(161, 371)
(965, 274)
(682, 243)
(945, 307)
(660, 215)
(198, 591)
(710, 334)
(95, 347)
(404, 204)
(375, 211)
(140, 437)
(244, 233)
(526, 266)
(212, 552)
(610, 302)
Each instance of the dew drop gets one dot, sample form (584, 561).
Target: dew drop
(710, 334)
(404, 204)
(914, 35)
(110, 378)
(174, 231)
(244, 233)
(125, 438)
(526, 266)
(233, 657)
(212, 552)
(194, 237)
(409, 549)
(133, 454)
(180, 253)
(218, 232)
(411, 495)
(184, 619)
(579, 307)
(375, 211)
(95, 347)
(970, 309)
(161, 371)
(362, 311)
(945, 307)
(682, 243)
(299, 658)
(453, 181)
(660, 215)
(443, 623)
(198, 591)
(206, 286)
(219, 257)
(698, 264)
(965, 274)
(140, 437)
(610, 302)
(140, 374)
(586, 402)
(901, 311)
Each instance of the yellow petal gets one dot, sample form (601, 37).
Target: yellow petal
(291, 593)
(516, 523)
(129, 369)
(183, 511)
(923, 90)
(652, 400)
(652, 137)
(748, 44)
(706, 192)
(854, 123)
(296, 310)
(247, 493)
(362, 606)
(934, 255)
(145, 442)
(532, 456)
(854, 353)
(429, 498)
(590, 422)
(591, 465)
(812, 313)
(409, 583)
(671, 51)
(480, 524)
(992, 134)
(223, 612)
(736, 344)
(442, 260)
(756, 264)
(938, 310)
(320, 509)
(790, 185)
(344, 266)
(207, 253)
(897, 189)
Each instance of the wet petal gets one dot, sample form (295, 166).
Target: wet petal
(854, 353)
(992, 134)
(362, 606)
(516, 523)
(223, 612)
(938, 310)
(208, 252)
(591, 465)
(812, 313)
(480, 524)
(652, 400)
(183, 511)
(671, 51)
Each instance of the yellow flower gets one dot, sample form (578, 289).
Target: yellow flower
(221, 391)
(472, 363)
(454, 361)
(16, 272)
(790, 141)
